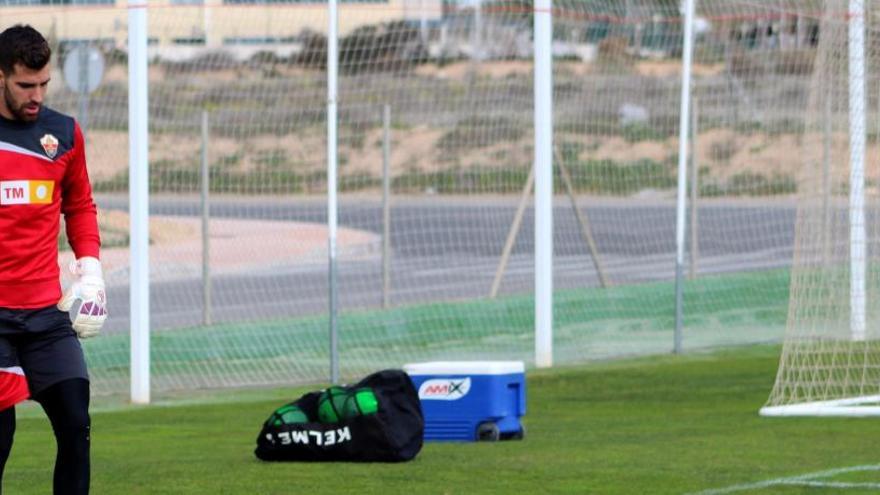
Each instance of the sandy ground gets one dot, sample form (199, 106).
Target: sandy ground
(721, 152)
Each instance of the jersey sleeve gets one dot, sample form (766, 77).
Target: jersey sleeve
(77, 203)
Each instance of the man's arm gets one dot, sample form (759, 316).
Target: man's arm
(81, 220)
(77, 204)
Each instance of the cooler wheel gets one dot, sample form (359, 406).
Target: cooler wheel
(488, 432)
(515, 435)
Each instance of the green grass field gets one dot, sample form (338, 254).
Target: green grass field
(663, 424)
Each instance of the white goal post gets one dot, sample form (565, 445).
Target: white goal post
(858, 406)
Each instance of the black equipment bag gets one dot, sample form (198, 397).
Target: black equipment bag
(393, 434)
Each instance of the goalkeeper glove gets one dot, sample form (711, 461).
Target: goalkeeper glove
(89, 289)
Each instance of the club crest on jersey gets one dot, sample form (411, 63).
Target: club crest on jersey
(50, 145)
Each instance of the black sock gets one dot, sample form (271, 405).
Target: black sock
(7, 431)
(67, 406)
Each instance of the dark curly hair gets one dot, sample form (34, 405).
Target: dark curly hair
(22, 44)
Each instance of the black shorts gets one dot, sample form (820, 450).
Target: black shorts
(43, 343)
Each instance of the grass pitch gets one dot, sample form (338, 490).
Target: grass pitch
(652, 425)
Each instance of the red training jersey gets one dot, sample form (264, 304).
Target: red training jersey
(42, 175)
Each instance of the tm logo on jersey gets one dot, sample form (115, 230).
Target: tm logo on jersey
(26, 192)
(445, 388)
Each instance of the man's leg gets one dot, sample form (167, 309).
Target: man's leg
(7, 431)
(13, 388)
(53, 362)
(67, 405)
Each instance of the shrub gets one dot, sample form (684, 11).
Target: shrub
(472, 133)
(612, 55)
(722, 151)
(212, 61)
(374, 48)
(641, 131)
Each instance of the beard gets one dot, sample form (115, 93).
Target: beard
(16, 109)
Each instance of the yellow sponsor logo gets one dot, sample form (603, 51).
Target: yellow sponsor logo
(25, 192)
(41, 191)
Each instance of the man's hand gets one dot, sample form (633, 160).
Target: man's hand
(88, 288)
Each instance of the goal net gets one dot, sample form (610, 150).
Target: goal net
(830, 362)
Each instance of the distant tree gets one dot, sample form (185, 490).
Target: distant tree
(378, 47)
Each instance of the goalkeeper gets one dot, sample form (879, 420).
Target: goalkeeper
(42, 176)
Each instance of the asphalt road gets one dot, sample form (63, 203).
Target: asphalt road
(449, 249)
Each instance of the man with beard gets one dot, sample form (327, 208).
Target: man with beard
(42, 176)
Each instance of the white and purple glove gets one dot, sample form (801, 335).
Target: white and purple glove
(89, 289)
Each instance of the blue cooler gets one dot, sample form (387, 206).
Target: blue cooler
(471, 400)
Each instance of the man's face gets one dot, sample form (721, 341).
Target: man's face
(23, 92)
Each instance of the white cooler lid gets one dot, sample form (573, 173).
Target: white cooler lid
(465, 367)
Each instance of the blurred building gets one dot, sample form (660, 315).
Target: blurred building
(258, 24)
